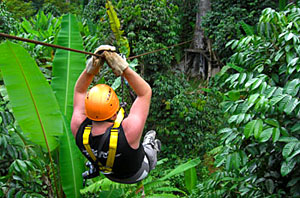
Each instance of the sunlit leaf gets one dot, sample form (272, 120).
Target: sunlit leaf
(258, 128)
(67, 66)
(287, 167)
(266, 135)
(249, 128)
(33, 101)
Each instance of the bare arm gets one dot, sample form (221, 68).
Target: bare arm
(80, 90)
(135, 122)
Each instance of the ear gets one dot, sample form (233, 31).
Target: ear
(114, 117)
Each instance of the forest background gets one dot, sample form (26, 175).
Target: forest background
(225, 104)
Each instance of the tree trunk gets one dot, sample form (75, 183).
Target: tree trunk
(197, 61)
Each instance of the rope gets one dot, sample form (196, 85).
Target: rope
(84, 52)
(47, 44)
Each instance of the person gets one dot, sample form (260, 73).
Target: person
(99, 109)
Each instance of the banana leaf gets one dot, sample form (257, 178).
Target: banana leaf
(33, 102)
(67, 66)
(71, 163)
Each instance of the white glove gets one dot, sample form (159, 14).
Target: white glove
(94, 64)
(115, 62)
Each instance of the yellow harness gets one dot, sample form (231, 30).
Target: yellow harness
(114, 132)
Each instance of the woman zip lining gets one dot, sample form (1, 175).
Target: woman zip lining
(110, 142)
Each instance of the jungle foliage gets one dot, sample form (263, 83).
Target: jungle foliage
(227, 18)
(235, 136)
(259, 149)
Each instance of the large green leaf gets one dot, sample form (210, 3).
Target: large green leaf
(33, 102)
(71, 167)
(181, 168)
(67, 66)
(190, 177)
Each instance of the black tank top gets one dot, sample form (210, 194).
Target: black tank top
(127, 161)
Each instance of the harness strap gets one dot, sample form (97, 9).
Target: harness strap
(114, 132)
(86, 135)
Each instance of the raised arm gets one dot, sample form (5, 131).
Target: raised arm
(80, 90)
(85, 79)
(134, 124)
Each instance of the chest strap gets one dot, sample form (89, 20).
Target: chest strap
(114, 132)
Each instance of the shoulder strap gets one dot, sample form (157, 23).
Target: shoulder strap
(85, 141)
(114, 132)
(112, 143)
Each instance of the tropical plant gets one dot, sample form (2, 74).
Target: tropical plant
(148, 25)
(37, 110)
(24, 170)
(20, 9)
(180, 113)
(67, 67)
(260, 148)
(8, 23)
(151, 186)
(40, 27)
(34, 104)
(224, 22)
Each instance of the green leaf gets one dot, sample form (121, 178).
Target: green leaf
(276, 134)
(250, 82)
(253, 98)
(71, 163)
(67, 67)
(266, 134)
(181, 168)
(236, 160)
(278, 55)
(237, 68)
(284, 102)
(242, 78)
(296, 152)
(287, 139)
(270, 186)
(33, 101)
(288, 149)
(249, 128)
(247, 28)
(190, 177)
(116, 84)
(233, 95)
(289, 36)
(256, 84)
(276, 99)
(232, 119)
(272, 122)
(295, 128)
(287, 167)
(258, 128)
(291, 105)
(292, 87)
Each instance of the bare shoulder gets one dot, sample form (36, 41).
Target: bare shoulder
(133, 129)
(77, 119)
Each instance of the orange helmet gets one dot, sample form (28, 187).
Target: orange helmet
(101, 103)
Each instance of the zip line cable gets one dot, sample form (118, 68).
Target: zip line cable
(84, 52)
(47, 44)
